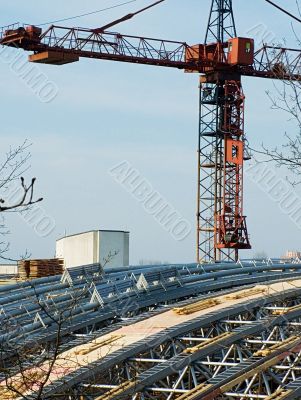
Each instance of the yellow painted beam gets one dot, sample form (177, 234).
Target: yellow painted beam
(111, 394)
(209, 342)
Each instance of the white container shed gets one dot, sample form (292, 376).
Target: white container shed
(94, 247)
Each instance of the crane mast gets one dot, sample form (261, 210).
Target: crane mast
(221, 24)
(221, 226)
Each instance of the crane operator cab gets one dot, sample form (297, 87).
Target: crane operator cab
(241, 51)
(238, 51)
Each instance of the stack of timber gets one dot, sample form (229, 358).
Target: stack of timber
(32, 269)
(197, 306)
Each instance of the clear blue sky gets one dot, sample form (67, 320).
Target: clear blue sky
(106, 112)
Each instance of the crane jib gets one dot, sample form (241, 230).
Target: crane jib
(61, 43)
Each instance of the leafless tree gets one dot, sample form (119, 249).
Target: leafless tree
(286, 97)
(28, 367)
(15, 194)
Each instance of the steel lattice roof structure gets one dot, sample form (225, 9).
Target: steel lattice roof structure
(157, 332)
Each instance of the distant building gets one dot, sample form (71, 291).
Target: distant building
(8, 269)
(291, 254)
(94, 247)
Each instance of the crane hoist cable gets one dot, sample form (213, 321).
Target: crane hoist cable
(283, 10)
(89, 13)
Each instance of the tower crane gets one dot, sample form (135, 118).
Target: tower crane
(221, 62)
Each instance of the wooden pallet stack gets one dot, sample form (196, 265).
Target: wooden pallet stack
(32, 269)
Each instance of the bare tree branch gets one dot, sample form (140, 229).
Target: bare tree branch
(286, 98)
(26, 199)
(15, 197)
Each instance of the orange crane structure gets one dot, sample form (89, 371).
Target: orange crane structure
(221, 61)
